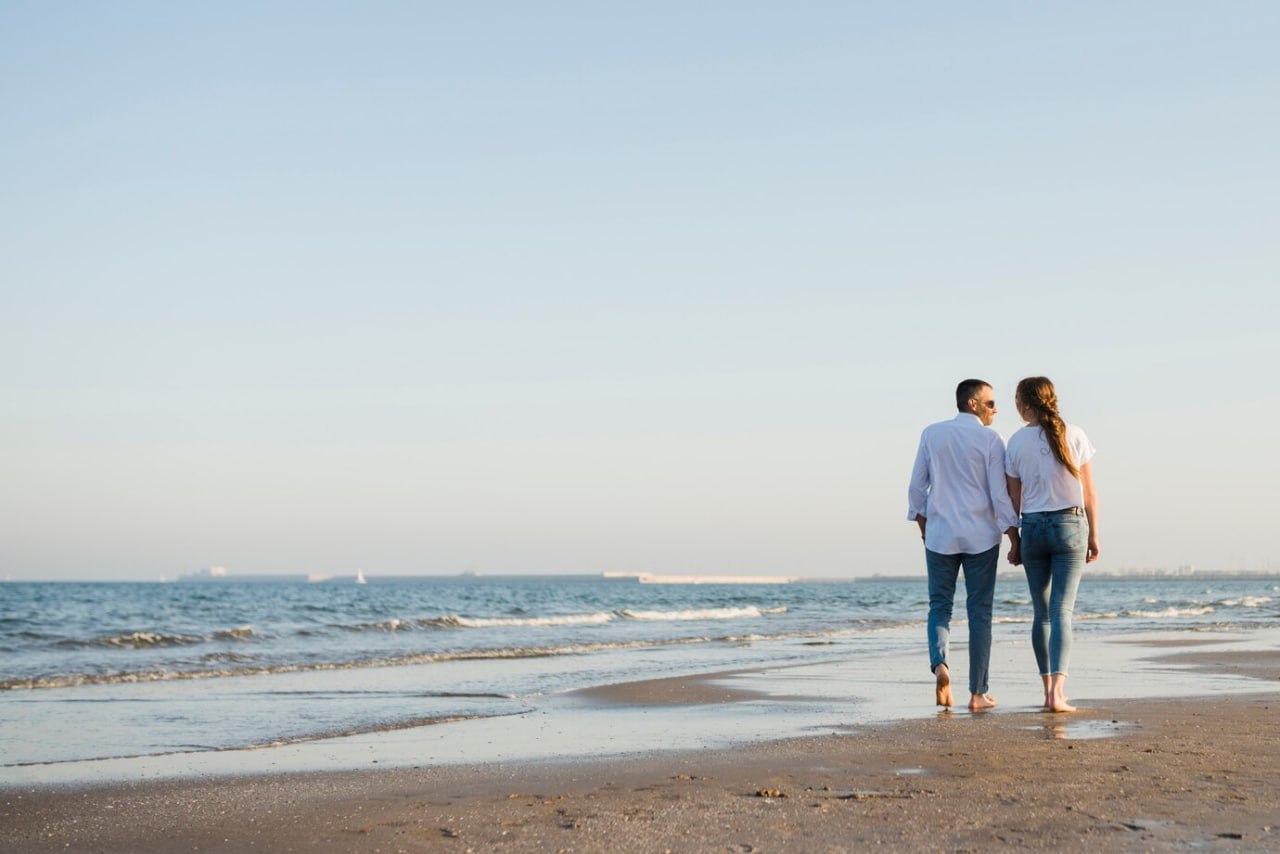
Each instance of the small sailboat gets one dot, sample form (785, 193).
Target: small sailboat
(360, 577)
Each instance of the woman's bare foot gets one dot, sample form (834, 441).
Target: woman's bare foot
(1057, 699)
(981, 702)
(942, 692)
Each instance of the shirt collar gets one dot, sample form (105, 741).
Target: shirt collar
(969, 416)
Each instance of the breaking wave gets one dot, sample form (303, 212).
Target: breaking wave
(597, 618)
(152, 640)
(1246, 602)
(1171, 612)
(64, 681)
(498, 622)
(143, 640)
(700, 614)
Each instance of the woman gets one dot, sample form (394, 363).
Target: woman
(1050, 475)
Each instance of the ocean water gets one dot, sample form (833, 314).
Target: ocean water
(106, 670)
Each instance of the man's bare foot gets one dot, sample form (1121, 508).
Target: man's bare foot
(981, 702)
(942, 692)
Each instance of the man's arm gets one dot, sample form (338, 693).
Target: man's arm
(918, 489)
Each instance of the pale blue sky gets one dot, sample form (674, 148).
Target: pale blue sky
(583, 287)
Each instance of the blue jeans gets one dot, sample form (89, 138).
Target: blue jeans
(980, 587)
(1053, 555)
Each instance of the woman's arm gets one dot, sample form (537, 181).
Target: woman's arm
(1014, 485)
(1090, 510)
(1015, 492)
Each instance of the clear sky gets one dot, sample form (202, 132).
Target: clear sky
(657, 287)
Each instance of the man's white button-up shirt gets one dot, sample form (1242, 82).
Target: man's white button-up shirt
(958, 485)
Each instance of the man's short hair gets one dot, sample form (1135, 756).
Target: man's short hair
(966, 391)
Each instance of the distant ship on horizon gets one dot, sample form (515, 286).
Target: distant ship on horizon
(216, 574)
(219, 574)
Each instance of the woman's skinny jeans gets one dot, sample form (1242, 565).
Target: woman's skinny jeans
(1053, 556)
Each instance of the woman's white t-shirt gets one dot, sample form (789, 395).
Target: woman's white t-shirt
(1046, 483)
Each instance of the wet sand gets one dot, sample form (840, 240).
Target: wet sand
(1122, 775)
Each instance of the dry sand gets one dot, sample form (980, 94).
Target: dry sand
(1126, 775)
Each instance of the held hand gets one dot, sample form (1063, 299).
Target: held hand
(1015, 546)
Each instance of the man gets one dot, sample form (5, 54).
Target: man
(959, 497)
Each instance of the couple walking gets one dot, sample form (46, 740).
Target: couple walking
(967, 489)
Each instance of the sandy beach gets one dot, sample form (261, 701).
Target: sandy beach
(1122, 775)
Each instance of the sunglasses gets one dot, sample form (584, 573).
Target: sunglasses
(989, 404)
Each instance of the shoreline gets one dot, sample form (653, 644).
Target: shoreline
(1132, 773)
(315, 678)
(1124, 775)
(708, 709)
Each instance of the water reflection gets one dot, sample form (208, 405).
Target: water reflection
(1078, 730)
